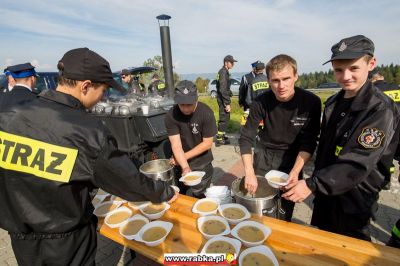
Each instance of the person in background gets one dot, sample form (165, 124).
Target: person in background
(157, 87)
(133, 83)
(54, 155)
(246, 79)
(191, 127)
(24, 76)
(288, 139)
(355, 149)
(224, 95)
(257, 85)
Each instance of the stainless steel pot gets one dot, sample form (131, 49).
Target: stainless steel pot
(263, 202)
(159, 169)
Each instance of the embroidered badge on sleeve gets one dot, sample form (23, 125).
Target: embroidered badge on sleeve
(371, 138)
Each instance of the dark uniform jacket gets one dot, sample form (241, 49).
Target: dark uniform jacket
(224, 92)
(256, 87)
(351, 162)
(52, 154)
(246, 79)
(18, 95)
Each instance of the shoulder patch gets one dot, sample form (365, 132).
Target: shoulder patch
(371, 138)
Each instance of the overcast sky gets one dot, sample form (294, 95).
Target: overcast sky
(126, 32)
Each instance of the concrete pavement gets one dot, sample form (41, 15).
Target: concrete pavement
(228, 166)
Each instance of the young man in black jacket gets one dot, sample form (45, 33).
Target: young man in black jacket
(53, 155)
(291, 119)
(356, 146)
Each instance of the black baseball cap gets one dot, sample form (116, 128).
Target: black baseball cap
(352, 48)
(185, 92)
(125, 72)
(84, 64)
(21, 70)
(260, 66)
(229, 58)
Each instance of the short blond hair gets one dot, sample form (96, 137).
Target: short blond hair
(279, 62)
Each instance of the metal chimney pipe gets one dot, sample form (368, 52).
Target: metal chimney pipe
(166, 53)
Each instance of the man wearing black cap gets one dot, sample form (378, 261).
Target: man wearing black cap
(356, 147)
(291, 118)
(157, 87)
(134, 87)
(246, 79)
(54, 155)
(191, 128)
(24, 76)
(224, 95)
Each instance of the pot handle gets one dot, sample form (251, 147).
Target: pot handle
(268, 211)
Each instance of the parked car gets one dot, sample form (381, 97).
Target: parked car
(329, 85)
(212, 89)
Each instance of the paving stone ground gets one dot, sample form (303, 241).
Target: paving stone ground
(227, 167)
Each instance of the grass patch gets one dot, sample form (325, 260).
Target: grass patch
(237, 111)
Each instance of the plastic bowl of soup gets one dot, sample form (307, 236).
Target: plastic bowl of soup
(154, 211)
(154, 233)
(101, 194)
(96, 201)
(258, 255)
(206, 206)
(131, 227)
(211, 226)
(192, 178)
(251, 233)
(117, 217)
(104, 208)
(234, 213)
(277, 179)
(222, 244)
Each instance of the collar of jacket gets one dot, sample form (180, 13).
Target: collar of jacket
(62, 98)
(362, 100)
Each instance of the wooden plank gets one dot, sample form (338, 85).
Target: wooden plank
(293, 244)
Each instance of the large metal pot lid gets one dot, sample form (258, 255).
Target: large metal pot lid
(155, 166)
(264, 190)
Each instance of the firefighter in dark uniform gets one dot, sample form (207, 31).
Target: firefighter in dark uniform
(25, 77)
(134, 87)
(246, 79)
(157, 87)
(224, 95)
(53, 155)
(191, 128)
(392, 90)
(257, 85)
(291, 119)
(355, 151)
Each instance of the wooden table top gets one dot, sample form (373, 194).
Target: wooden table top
(292, 244)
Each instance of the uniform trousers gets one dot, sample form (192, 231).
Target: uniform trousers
(224, 117)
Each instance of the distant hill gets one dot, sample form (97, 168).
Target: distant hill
(209, 76)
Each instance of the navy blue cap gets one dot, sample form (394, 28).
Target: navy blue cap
(21, 70)
(253, 65)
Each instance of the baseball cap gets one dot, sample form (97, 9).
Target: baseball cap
(21, 71)
(352, 48)
(229, 58)
(85, 64)
(125, 72)
(185, 92)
